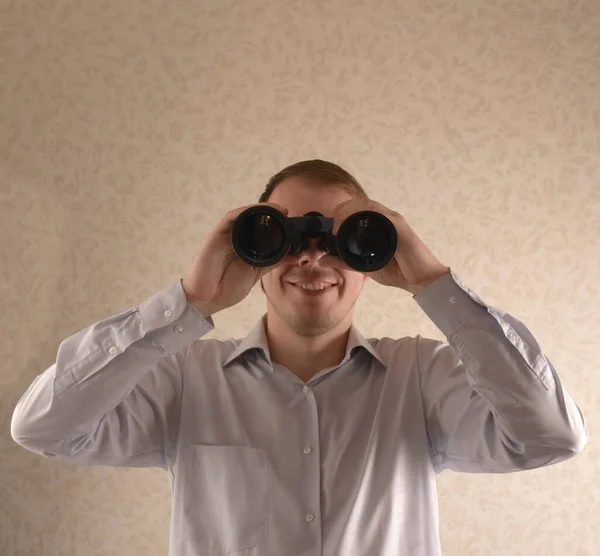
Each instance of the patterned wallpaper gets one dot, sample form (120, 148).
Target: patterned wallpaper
(128, 128)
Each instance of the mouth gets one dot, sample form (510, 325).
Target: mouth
(313, 289)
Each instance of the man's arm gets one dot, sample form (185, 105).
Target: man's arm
(492, 399)
(112, 396)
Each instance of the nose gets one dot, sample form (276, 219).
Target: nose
(311, 253)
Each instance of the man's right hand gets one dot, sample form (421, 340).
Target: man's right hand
(218, 278)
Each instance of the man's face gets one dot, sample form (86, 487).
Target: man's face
(311, 312)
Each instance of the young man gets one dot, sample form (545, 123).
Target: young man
(304, 438)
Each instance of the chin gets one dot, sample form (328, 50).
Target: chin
(312, 325)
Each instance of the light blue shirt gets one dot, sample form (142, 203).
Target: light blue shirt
(263, 464)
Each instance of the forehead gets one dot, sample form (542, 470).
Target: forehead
(301, 195)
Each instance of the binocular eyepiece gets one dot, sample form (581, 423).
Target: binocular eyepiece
(366, 241)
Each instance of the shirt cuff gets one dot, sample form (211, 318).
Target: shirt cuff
(171, 320)
(450, 304)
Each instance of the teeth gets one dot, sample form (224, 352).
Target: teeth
(320, 286)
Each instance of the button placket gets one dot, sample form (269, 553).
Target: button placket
(309, 517)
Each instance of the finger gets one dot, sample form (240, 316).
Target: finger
(226, 222)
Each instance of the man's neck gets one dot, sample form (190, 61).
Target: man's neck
(305, 356)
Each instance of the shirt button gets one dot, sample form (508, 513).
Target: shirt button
(178, 328)
(309, 517)
(112, 350)
(305, 389)
(307, 449)
(168, 313)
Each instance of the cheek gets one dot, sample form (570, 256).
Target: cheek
(273, 281)
(352, 285)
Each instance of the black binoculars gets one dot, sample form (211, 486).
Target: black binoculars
(366, 241)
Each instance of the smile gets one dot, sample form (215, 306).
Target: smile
(314, 287)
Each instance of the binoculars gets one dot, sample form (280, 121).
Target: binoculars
(366, 241)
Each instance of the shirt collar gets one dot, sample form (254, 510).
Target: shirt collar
(257, 339)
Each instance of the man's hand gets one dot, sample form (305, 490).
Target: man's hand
(218, 278)
(414, 266)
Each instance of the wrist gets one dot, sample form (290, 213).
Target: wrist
(205, 308)
(418, 288)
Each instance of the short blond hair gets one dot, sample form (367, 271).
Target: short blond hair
(326, 173)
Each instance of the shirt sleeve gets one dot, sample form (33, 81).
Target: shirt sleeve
(112, 396)
(493, 401)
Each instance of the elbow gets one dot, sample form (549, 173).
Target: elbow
(26, 437)
(568, 449)
(548, 449)
(567, 437)
(568, 445)
(25, 433)
(576, 436)
(578, 440)
(21, 432)
(17, 428)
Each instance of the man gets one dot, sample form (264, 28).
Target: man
(304, 438)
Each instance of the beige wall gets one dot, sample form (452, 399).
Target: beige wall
(128, 127)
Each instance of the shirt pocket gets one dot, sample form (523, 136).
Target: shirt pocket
(226, 497)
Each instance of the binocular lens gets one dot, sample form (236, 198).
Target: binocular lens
(368, 240)
(261, 236)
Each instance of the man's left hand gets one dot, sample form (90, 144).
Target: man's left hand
(414, 266)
